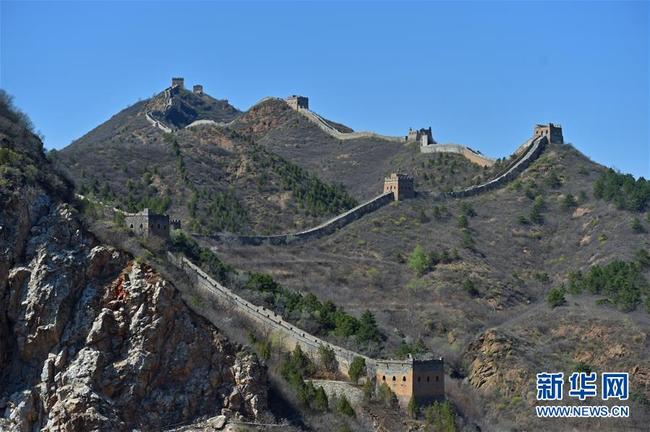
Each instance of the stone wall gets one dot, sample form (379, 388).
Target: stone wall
(429, 387)
(321, 230)
(535, 149)
(470, 154)
(265, 320)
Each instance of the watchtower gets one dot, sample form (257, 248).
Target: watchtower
(553, 132)
(296, 102)
(423, 136)
(147, 223)
(401, 185)
(197, 89)
(178, 82)
(420, 379)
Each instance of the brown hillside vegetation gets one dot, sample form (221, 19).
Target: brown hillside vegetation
(484, 308)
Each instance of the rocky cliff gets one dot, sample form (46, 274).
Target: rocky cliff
(89, 338)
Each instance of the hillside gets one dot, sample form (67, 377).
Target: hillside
(546, 272)
(480, 301)
(359, 164)
(91, 339)
(212, 177)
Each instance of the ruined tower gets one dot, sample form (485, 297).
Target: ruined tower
(420, 379)
(401, 185)
(423, 136)
(147, 223)
(552, 131)
(197, 89)
(296, 102)
(178, 82)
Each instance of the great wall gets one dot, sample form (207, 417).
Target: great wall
(321, 230)
(301, 105)
(525, 155)
(420, 378)
(531, 150)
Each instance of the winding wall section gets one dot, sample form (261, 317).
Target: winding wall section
(312, 233)
(265, 320)
(534, 150)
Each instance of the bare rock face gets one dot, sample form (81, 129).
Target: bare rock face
(92, 340)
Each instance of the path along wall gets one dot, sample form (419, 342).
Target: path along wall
(323, 229)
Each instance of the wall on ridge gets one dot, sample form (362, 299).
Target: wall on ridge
(325, 228)
(265, 321)
(524, 162)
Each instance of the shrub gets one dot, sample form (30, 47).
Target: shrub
(462, 221)
(467, 210)
(320, 402)
(441, 416)
(343, 406)
(555, 297)
(626, 192)
(583, 367)
(357, 369)
(469, 288)
(569, 202)
(623, 283)
(412, 408)
(386, 396)
(468, 241)
(637, 226)
(327, 358)
(419, 261)
(411, 348)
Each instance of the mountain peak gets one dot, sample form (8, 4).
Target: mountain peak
(177, 107)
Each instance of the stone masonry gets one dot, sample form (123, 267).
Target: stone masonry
(553, 132)
(423, 136)
(401, 185)
(178, 82)
(297, 102)
(147, 223)
(421, 379)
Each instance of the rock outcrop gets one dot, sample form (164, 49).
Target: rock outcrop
(91, 339)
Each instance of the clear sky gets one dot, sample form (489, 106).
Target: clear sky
(479, 73)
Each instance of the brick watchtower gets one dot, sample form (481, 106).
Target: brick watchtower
(147, 223)
(401, 185)
(552, 131)
(178, 82)
(298, 102)
(420, 379)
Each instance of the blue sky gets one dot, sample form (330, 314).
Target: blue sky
(479, 73)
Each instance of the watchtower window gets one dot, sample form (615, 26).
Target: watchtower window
(419, 379)
(131, 226)
(393, 379)
(437, 378)
(427, 379)
(140, 226)
(404, 378)
(383, 378)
